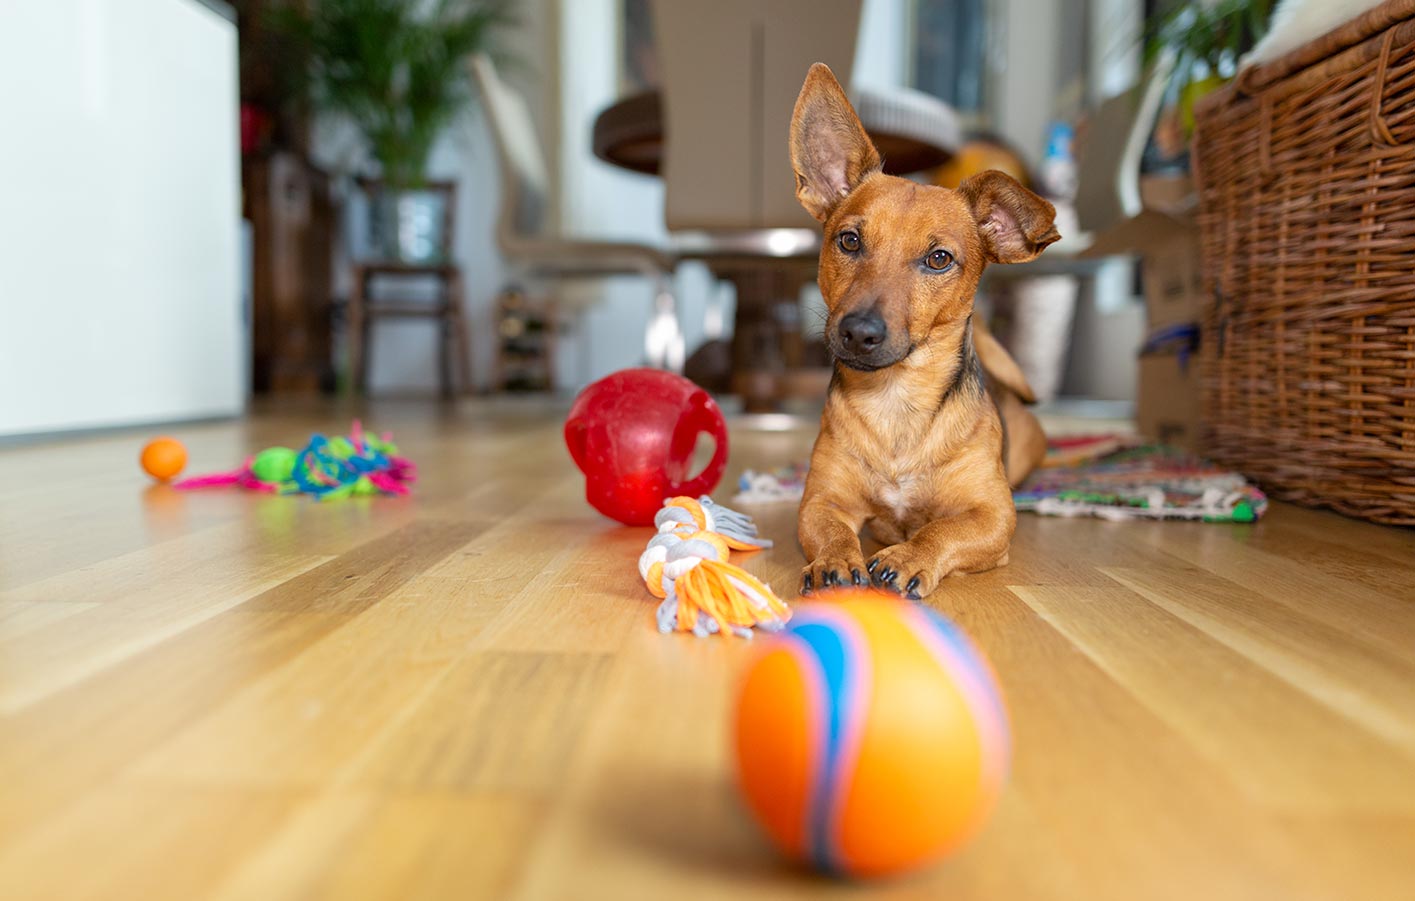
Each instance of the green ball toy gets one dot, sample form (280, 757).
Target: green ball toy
(274, 464)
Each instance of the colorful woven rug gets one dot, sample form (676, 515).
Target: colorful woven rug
(1142, 482)
(1096, 475)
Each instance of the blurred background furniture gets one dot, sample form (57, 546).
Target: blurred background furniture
(523, 233)
(1035, 306)
(398, 298)
(717, 133)
(906, 126)
(289, 202)
(525, 342)
(1307, 352)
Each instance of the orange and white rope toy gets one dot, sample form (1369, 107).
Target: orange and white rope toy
(686, 565)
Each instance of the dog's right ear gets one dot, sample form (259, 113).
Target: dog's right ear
(830, 150)
(1015, 224)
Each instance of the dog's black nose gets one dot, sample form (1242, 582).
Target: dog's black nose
(862, 331)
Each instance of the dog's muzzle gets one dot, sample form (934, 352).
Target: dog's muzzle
(861, 341)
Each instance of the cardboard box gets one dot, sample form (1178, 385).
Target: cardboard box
(1167, 402)
(1146, 216)
(1168, 247)
(1167, 409)
(1150, 217)
(1173, 194)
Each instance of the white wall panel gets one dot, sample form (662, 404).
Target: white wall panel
(119, 214)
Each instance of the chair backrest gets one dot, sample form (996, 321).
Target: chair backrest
(731, 70)
(525, 181)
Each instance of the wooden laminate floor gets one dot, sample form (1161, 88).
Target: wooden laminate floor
(462, 695)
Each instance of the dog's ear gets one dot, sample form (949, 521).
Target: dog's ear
(830, 150)
(1016, 225)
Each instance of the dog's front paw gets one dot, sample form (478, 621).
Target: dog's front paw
(830, 571)
(904, 569)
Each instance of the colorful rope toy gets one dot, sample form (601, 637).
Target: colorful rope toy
(686, 565)
(327, 468)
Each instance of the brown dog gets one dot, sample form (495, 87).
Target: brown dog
(911, 443)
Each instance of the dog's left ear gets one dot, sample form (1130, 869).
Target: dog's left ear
(830, 150)
(1016, 225)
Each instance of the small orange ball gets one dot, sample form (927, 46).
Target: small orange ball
(163, 458)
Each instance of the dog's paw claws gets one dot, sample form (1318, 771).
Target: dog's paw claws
(856, 578)
(898, 569)
(830, 573)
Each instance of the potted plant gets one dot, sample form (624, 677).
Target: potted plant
(396, 70)
(1206, 38)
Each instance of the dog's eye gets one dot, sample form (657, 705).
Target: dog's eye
(939, 260)
(849, 242)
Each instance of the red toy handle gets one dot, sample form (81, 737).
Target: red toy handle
(705, 419)
(576, 433)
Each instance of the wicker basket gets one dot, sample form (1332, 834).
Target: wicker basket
(1306, 169)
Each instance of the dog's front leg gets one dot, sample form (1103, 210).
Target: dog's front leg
(973, 541)
(830, 537)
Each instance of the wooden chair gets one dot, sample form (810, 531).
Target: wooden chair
(528, 242)
(446, 308)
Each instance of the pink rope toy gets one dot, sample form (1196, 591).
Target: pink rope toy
(361, 464)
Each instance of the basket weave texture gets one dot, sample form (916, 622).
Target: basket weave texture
(1306, 171)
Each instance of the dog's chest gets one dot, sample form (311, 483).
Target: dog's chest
(894, 426)
(900, 505)
(900, 497)
(896, 447)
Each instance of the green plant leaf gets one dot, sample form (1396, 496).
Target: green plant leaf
(1212, 35)
(396, 71)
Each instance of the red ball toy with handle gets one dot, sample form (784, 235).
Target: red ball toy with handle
(632, 434)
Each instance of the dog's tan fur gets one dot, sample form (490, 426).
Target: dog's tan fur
(911, 443)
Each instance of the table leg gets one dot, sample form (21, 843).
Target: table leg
(767, 344)
(460, 343)
(357, 332)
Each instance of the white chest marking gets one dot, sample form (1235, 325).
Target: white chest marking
(899, 496)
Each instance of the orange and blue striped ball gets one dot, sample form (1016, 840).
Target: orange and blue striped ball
(871, 736)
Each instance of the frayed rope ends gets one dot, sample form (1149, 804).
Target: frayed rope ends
(686, 565)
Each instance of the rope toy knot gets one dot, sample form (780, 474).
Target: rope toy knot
(686, 564)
